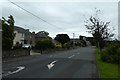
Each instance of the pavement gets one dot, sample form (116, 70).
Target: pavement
(34, 53)
(75, 63)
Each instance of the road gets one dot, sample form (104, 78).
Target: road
(75, 63)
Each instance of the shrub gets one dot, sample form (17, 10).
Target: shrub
(58, 46)
(17, 46)
(67, 45)
(111, 54)
(44, 44)
(97, 51)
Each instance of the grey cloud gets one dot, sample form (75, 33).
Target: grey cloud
(66, 15)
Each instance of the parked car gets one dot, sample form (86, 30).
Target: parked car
(26, 46)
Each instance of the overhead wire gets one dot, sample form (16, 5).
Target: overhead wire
(34, 15)
(37, 16)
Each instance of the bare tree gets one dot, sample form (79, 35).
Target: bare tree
(99, 29)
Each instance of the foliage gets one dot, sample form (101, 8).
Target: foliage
(44, 44)
(106, 70)
(59, 46)
(78, 44)
(99, 29)
(97, 51)
(62, 38)
(17, 46)
(44, 32)
(111, 54)
(7, 32)
(67, 45)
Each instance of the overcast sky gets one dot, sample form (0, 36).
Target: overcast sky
(67, 16)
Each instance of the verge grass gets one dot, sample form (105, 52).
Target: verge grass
(106, 70)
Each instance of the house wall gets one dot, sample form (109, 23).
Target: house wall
(19, 37)
(33, 39)
(30, 38)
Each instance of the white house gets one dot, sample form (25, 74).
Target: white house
(23, 36)
(19, 38)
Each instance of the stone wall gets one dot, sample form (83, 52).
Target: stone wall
(15, 53)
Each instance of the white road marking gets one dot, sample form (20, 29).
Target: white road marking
(71, 56)
(18, 70)
(51, 64)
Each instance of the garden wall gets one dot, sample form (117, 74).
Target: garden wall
(15, 53)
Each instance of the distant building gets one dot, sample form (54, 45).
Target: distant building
(75, 40)
(89, 40)
(82, 37)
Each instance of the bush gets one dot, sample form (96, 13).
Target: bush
(44, 44)
(59, 46)
(97, 51)
(67, 45)
(17, 46)
(111, 54)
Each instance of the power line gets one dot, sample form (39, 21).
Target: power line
(36, 16)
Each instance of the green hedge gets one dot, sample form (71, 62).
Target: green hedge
(44, 44)
(111, 54)
(107, 71)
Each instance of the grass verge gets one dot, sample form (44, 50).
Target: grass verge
(106, 70)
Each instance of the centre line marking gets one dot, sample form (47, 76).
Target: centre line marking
(51, 64)
(71, 56)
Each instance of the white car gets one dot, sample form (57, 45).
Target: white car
(26, 46)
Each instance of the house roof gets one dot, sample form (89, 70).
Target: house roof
(22, 30)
